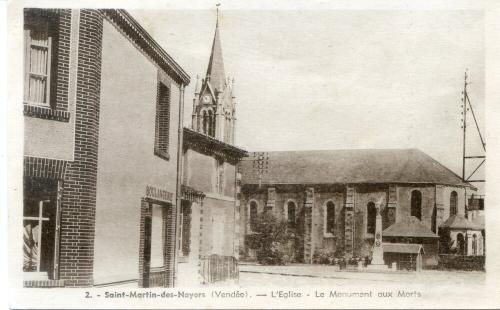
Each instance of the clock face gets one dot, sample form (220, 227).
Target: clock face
(206, 99)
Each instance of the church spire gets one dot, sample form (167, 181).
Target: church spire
(215, 70)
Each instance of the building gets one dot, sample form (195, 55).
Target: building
(102, 106)
(330, 198)
(210, 206)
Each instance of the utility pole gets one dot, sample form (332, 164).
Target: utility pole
(467, 106)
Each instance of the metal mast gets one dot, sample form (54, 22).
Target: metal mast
(466, 105)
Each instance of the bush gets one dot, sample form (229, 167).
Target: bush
(271, 238)
(324, 257)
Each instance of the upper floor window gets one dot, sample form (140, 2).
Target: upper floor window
(220, 175)
(416, 204)
(371, 218)
(330, 218)
(162, 126)
(453, 203)
(37, 57)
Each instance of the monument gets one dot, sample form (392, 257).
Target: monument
(377, 262)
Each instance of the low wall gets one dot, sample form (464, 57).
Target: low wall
(461, 262)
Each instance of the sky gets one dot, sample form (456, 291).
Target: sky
(339, 79)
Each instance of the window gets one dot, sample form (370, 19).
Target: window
(329, 219)
(37, 58)
(208, 120)
(185, 228)
(290, 214)
(157, 228)
(205, 122)
(461, 244)
(371, 218)
(474, 244)
(39, 227)
(162, 127)
(253, 214)
(416, 204)
(453, 203)
(220, 175)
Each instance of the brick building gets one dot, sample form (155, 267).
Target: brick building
(210, 203)
(329, 198)
(102, 113)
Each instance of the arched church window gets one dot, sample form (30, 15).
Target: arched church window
(205, 122)
(460, 244)
(211, 124)
(253, 214)
(371, 217)
(291, 211)
(330, 218)
(453, 203)
(416, 204)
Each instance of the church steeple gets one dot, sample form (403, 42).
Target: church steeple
(214, 103)
(215, 70)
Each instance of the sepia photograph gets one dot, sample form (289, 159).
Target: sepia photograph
(248, 155)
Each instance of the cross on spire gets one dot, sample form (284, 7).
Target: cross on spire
(216, 64)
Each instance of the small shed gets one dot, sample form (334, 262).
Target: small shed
(407, 256)
(410, 230)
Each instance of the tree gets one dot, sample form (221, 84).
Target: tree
(271, 238)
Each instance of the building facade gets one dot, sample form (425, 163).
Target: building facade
(101, 150)
(210, 180)
(330, 199)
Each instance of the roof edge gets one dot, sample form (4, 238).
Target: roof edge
(195, 139)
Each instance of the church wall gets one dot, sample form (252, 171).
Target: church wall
(320, 240)
(446, 193)
(404, 202)
(282, 198)
(365, 194)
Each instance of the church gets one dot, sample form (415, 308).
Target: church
(329, 200)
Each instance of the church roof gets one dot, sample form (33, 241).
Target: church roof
(216, 64)
(346, 167)
(458, 221)
(409, 227)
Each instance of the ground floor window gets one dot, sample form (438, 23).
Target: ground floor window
(461, 244)
(185, 228)
(39, 227)
(330, 218)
